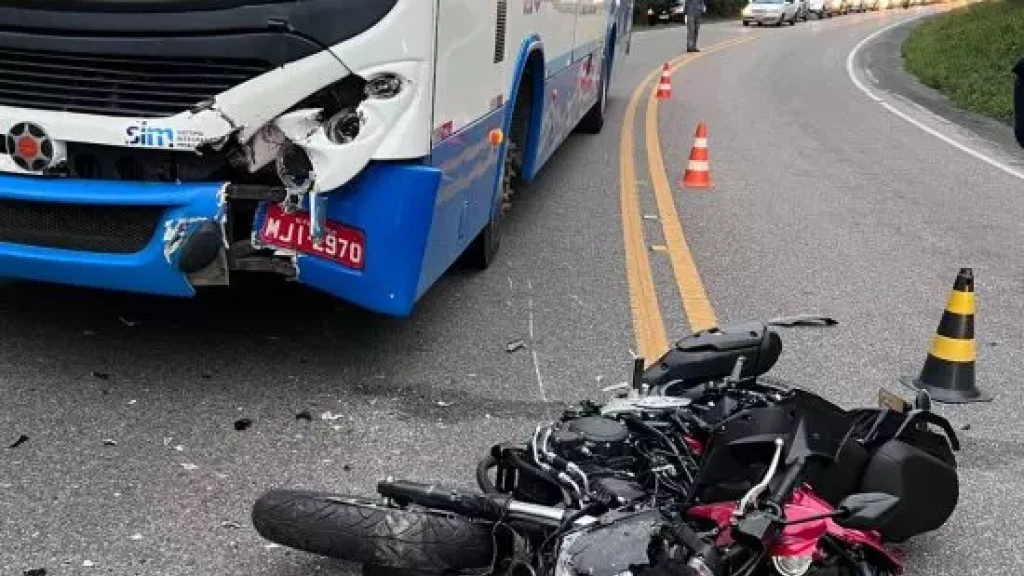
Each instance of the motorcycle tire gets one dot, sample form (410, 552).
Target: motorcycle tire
(372, 534)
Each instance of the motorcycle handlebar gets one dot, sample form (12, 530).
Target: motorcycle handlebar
(490, 507)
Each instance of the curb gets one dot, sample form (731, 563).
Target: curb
(882, 60)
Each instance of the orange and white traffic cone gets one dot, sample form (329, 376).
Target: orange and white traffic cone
(665, 84)
(698, 172)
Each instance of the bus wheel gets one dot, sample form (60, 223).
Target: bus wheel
(484, 249)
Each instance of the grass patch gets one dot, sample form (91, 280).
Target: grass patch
(968, 55)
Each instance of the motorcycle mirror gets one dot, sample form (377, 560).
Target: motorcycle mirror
(867, 511)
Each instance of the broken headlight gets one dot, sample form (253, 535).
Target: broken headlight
(295, 169)
(344, 126)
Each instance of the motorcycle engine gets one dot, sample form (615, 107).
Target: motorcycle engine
(603, 449)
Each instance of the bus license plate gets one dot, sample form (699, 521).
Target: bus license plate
(341, 244)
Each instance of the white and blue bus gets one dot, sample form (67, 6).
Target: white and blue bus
(359, 147)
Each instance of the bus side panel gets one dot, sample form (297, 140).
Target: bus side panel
(554, 21)
(469, 102)
(592, 25)
(467, 78)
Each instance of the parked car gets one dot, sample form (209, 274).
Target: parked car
(770, 12)
(836, 7)
(803, 9)
(856, 5)
(666, 12)
(819, 8)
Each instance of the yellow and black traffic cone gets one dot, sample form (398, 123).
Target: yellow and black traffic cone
(948, 373)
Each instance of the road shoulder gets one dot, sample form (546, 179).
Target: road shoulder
(882, 61)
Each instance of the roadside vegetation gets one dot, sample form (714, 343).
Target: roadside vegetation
(968, 55)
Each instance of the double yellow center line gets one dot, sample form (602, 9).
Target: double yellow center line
(648, 325)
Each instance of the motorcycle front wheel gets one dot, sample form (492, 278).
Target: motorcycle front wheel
(372, 534)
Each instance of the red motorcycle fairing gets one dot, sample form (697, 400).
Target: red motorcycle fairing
(801, 539)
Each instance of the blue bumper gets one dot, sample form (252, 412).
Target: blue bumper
(392, 204)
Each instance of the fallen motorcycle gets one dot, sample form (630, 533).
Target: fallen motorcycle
(705, 466)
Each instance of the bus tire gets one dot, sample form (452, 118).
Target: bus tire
(483, 250)
(593, 121)
(371, 534)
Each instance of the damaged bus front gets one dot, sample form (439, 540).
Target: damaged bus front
(158, 146)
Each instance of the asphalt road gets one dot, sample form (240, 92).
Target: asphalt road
(822, 202)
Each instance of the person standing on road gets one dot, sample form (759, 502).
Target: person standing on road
(694, 10)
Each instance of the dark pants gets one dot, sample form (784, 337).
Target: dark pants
(692, 27)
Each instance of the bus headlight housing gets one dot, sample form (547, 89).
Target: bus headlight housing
(295, 169)
(383, 86)
(344, 126)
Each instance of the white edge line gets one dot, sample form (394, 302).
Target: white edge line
(860, 85)
(536, 371)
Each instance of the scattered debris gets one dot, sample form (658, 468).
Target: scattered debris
(515, 345)
(100, 375)
(35, 572)
(88, 563)
(966, 427)
(329, 416)
(304, 415)
(167, 440)
(243, 424)
(21, 440)
(803, 320)
(109, 442)
(443, 404)
(128, 323)
(188, 466)
(231, 524)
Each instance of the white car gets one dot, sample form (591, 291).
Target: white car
(770, 12)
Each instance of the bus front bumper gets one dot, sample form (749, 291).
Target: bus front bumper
(170, 238)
